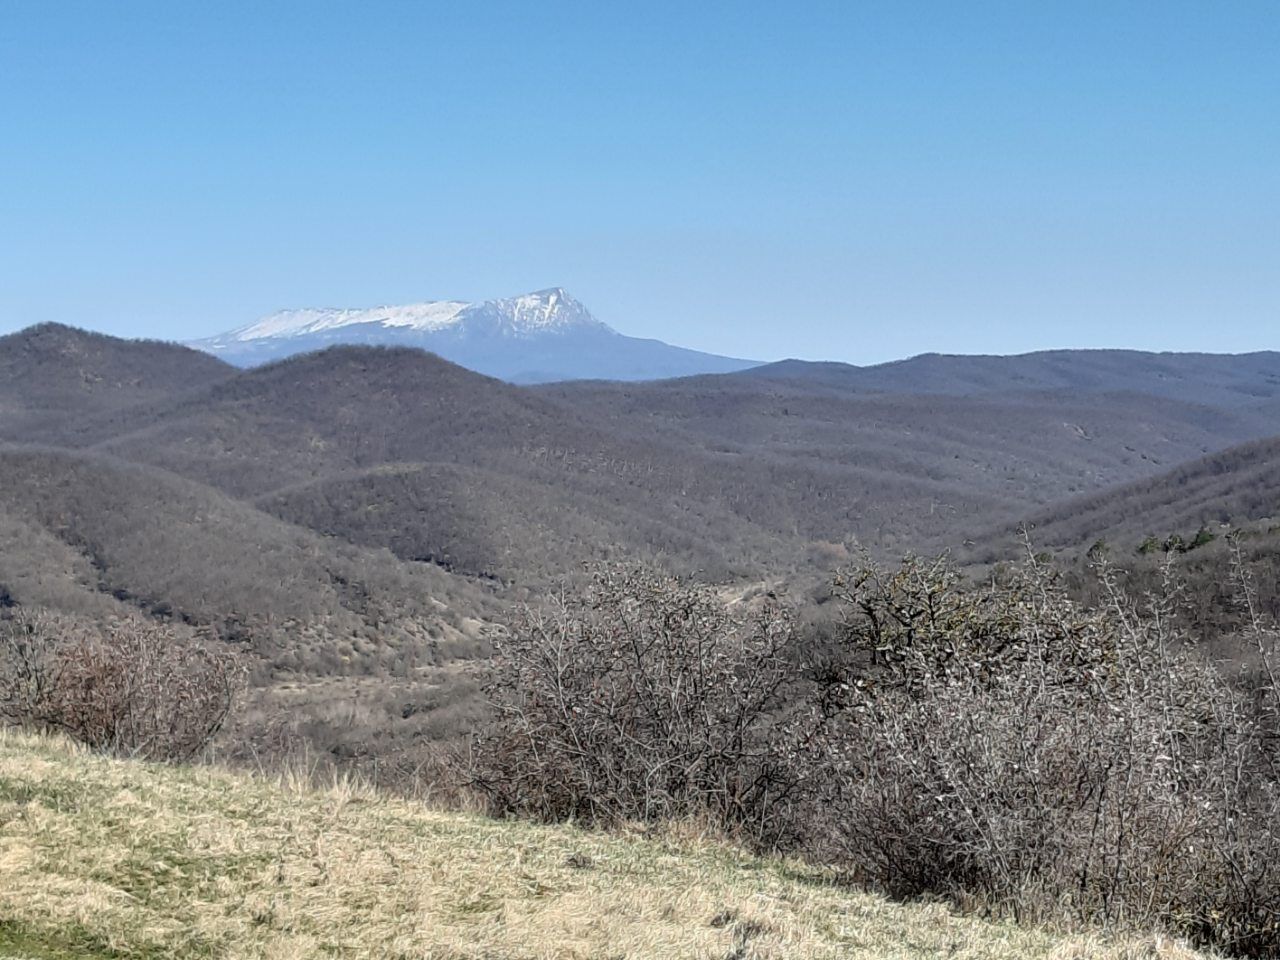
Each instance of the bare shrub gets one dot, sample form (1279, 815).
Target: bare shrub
(1007, 747)
(130, 687)
(1262, 638)
(644, 699)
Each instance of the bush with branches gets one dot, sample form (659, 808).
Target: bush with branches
(1006, 746)
(131, 687)
(644, 698)
(999, 743)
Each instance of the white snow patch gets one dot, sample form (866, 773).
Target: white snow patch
(435, 315)
(532, 313)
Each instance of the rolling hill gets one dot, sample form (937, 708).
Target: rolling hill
(352, 650)
(316, 438)
(398, 448)
(904, 471)
(727, 476)
(58, 382)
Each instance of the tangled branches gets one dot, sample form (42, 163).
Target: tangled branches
(131, 687)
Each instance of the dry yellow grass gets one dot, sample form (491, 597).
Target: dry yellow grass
(103, 858)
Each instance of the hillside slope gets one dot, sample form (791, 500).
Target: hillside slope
(82, 532)
(901, 471)
(232, 867)
(1231, 488)
(351, 442)
(352, 650)
(1190, 510)
(717, 475)
(55, 381)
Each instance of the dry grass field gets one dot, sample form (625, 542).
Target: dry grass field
(106, 858)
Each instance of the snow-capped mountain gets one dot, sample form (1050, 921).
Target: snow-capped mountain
(536, 337)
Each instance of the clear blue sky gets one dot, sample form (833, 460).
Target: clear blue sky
(855, 180)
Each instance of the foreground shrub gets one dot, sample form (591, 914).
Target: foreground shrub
(998, 744)
(1006, 747)
(644, 699)
(131, 687)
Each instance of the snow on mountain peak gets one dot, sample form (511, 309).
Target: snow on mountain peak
(433, 315)
(543, 311)
(535, 337)
(539, 312)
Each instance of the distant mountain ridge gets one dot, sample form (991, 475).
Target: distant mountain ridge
(536, 337)
(1221, 379)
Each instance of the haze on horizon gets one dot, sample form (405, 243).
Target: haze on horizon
(855, 182)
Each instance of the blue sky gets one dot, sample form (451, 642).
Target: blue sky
(854, 181)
